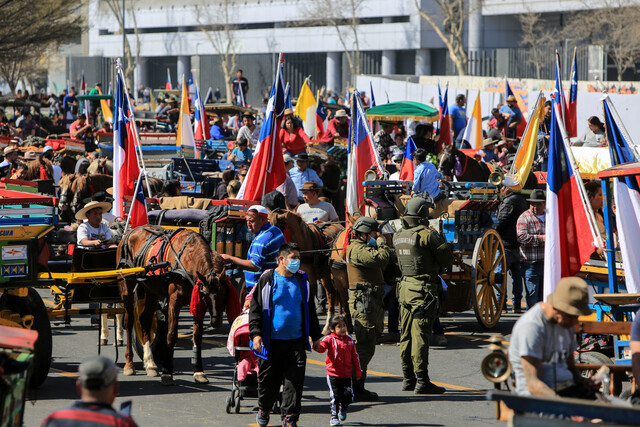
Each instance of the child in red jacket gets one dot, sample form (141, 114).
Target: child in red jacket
(342, 361)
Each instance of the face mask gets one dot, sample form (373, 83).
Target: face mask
(293, 265)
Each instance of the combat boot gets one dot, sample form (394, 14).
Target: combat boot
(360, 394)
(408, 379)
(425, 386)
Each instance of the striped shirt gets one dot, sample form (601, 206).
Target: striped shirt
(263, 252)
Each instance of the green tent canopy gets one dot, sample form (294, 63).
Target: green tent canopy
(394, 111)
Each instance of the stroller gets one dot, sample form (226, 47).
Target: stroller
(245, 372)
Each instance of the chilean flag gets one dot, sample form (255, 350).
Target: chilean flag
(201, 130)
(445, 126)
(361, 155)
(138, 214)
(406, 170)
(572, 108)
(125, 157)
(321, 119)
(267, 169)
(570, 232)
(167, 85)
(626, 194)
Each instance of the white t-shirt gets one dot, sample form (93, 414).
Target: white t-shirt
(86, 231)
(322, 211)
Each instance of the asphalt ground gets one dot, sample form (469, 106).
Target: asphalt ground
(456, 367)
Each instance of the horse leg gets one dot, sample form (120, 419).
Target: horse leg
(172, 336)
(119, 328)
(146, 319)
(196, 358)
(104, 329)
(127, 300)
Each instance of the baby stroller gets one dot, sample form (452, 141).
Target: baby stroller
(245, 372)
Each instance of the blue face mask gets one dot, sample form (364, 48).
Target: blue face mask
(372, 242)
(293, 265)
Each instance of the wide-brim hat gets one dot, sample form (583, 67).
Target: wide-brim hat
(109, 190)
(571, 296)
(302, 156)
(10, 149)
(310, 186)
(341, 113)
(537, 196)
(487, 142)
(82, 213)
(288, 111)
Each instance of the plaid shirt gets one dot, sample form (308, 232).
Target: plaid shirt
(530, 232)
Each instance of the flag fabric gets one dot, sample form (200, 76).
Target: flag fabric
(473, 131)
(287, 97)
(85, 104)
(125, 157)
(185, 138)
(570, 233)
(306, 109)
(373, 98)
(192, 88)
(526, 154)
(362, 154)
(559, 91)
(201, 130)
(572, 106)
(407, 168)
(507, 89)
(320, 119)
(107, 115)
(152, 101)
(439, 101)
(445, 126)
(138, 214)
(267, 170)
(626, 194)
(209, 97)
(167, 85)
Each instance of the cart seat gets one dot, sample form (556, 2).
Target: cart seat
(94, 259)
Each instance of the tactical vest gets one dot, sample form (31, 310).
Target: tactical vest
(365, 276)
(413, 259)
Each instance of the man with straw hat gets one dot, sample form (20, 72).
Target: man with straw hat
(10, 161)
(543, 342)
(93, 231)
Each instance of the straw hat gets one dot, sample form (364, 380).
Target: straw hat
(341, 113)
(571, 296)
(10, 149)
(82, 213)
(487, 142)
(288, 111)
(511, 98)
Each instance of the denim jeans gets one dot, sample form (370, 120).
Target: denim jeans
(533, 278)
(514, 266)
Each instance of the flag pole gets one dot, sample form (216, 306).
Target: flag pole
(512, 168)
(135, 193)
(595, 231)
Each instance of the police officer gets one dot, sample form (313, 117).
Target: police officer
(422, 252)
(367, 257)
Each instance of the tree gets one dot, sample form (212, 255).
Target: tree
(219, 29)
(454, 14)
(342, 16)
(539, 40)
(131, 61)
(29, 27)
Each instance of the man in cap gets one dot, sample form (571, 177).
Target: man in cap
(288, 187)
(10, 161)
(314, 210)
(511, 112)
(264, 248)
(338, 127)
(383, 139)
(302, 173)
(531, 237)
(97, 386)
(367, 256)
(249, 130)
(512, 206)
(543, 342)
(422, 254)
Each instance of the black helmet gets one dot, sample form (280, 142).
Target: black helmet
(365, 224)
(417, 206)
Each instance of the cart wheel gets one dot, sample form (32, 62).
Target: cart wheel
(229, 404)
(596, 358)
(158, 333)
(237, 403)
(489, 278)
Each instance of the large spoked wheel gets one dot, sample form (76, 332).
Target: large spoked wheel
(158, 333)
(489, 278)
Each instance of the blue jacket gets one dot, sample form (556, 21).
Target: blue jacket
(260, 312)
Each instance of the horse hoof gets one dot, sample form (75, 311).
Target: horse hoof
(167, 380)
(119, 343)
(152, 372)
(103, 341)
(128, 371)
(200, 378)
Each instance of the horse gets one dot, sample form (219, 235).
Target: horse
(84, 186)
(100, 166)
(36, 167)
(310, 237)
(195, 268)
(65, 195)
(466, 169)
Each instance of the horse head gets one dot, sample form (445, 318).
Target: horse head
(64, 193)
(447, 161)
(81, 189)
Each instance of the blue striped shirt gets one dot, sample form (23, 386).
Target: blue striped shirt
(263, 252)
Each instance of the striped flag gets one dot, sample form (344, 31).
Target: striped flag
(571, 234)
(572, 108)
(185, 138)
(201, 130)
(473, 131)
(626, 194)
(407, 168)
(167, 85)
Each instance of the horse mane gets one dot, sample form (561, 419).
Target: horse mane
(33, 168)
(66, 180)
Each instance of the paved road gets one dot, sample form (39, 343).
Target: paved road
(456, 367)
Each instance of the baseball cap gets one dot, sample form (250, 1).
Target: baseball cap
(97, 373)
(47, 148)
(258, 210)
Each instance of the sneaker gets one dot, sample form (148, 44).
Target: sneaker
(334, 421)
(262, 419)
(342, 414)
(289, 421)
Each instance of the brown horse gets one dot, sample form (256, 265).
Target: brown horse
(65, 196)
(311, 238)
(466, 169)
(84, 186)
(34, 169)
(194, 268)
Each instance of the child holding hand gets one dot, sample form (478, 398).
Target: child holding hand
(342, 361)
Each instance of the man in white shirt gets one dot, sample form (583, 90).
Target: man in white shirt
(315, 210)
(94, 232)
(250, 130)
